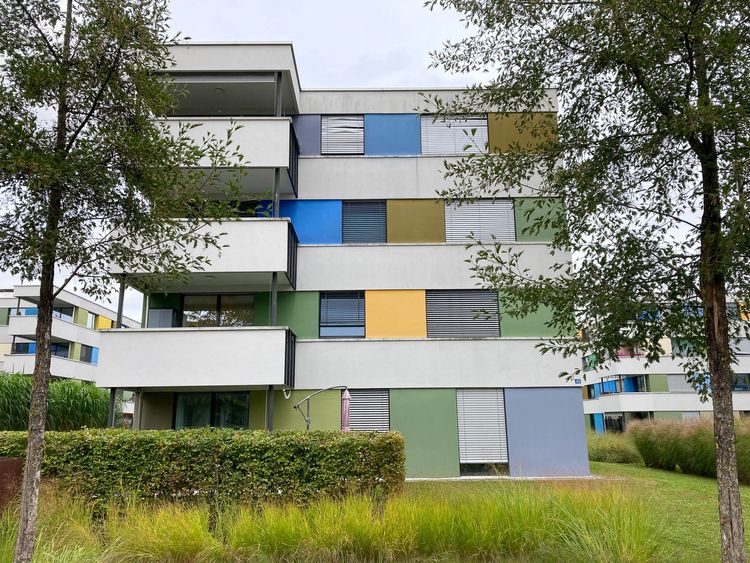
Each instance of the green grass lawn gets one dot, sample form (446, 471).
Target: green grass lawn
(685, 506)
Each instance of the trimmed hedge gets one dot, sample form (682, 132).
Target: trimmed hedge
(688, 446)
(612, 447)
(219, 463)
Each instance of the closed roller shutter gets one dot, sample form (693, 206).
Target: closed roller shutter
(678, 383)
(452, 136)
(489, 221)
(457, 313)
(482, 437)
(369, 410)
(363, 221)
(342, 134)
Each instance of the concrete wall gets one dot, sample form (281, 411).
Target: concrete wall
(153, 411)
(429, 363)
(428, 421)
(546, 432)
(401, 266)
(59, 367)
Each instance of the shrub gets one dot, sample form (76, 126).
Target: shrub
(71, 404)
(612, 447)
(688, 446)
(219, 463)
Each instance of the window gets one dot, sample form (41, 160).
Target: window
(485, 220)
(87, 353)
(741, 382)
(90, 320)
(482, 436)
(223, 410)
(614, 422)
(60, 349)
(23, 348)
(215, 310)
(64, 313)
(369, 410)
(363, 221)
(342, 134)
(162, 318)
(342, 314)
(455, 136)
(25, 311)
(467, 313)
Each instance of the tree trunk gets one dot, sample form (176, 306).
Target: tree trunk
(713, 290)
(26, 539)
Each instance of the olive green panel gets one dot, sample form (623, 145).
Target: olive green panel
(657, 383)
(154, 411)
(74, 352)
(80, 316)
(299, 310)
(529, 210)
(325, 410)
(667, 415)
(529, 325)
(428, 420)
(257, 419)
(4, 317)
(503, 130)
(415, 220)
(165, 301)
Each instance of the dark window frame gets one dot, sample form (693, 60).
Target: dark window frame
(325, 294)
(212, 407)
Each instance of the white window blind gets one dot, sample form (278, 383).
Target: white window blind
(488, 220)
(369, 410)
(342, 134)
(482, 436)
(453, 136)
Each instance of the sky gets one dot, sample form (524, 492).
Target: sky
(337, 44)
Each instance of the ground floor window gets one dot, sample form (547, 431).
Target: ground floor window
(221, 410)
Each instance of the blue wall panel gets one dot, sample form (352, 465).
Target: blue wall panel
(392, 134)
(546, 432)
(307, 128)
(316, 221)
(599, 423)
(630, 384)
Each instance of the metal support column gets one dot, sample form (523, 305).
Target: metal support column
(120, 303)
(111, 412)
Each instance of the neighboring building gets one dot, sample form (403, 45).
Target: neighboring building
(629, 390)
(357, 278)
(75, 332)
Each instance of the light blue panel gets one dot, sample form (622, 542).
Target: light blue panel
(599, 422)
(630, 384)
(95, 355)
(32, 347)
(546, 432)
(597, 390)
(392, 134)
(307, 129)
(609, 386)
(316, 221)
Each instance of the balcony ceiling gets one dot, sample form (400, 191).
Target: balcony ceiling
(203, 95)
(220, 282)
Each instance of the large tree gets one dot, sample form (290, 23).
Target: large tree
(88, 177)
(649, 161)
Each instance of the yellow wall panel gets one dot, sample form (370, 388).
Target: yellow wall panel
(395, 314)
(103, 322)
(503, 130)
(415, 220)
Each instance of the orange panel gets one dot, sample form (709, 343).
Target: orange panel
(395, 314)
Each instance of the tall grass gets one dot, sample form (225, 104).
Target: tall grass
(519, 521)
(72, 404)
(612, 447)
(688, 446)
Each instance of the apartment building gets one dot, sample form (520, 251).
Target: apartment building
(355, 278)
(629, 390)
(75, 332)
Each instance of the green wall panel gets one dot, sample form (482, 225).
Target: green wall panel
(74, 352)
(428, 421)
(164, 301)
(530, 325)
(80, 316)
(299, 310)
(524, 205)
(668, 415)
(325, 410)
(657, 383)
(257, 418)
(4, 316)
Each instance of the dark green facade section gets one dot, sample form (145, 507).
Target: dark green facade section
(165, 301)
(428, 421)
(299, 310)
(528, 210)
(528, 326)
(257, 417)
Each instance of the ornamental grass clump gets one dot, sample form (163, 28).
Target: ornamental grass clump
(612, 447)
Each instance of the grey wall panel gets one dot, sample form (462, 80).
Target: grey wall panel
(307, 129)
(364, 221)
(369, 410)
(451, 137)
(342, 134)
(678, 384)
(462, 313)
(546, 432)
(486, 220)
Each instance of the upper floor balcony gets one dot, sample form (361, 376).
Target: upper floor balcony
(60, 366)
(24, 326)
(265, 143)
(251, 251)
(197, 357)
